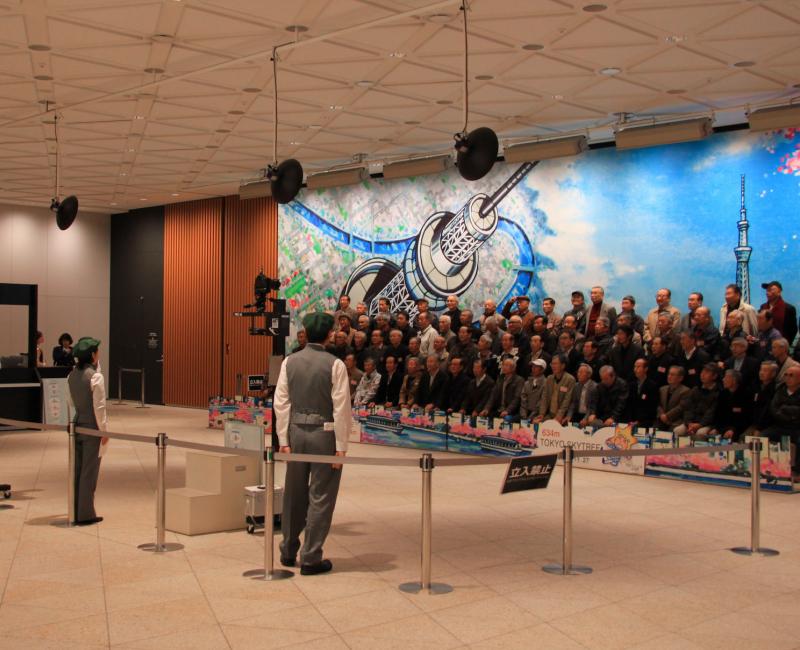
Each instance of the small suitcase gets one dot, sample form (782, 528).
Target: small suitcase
(254, 507)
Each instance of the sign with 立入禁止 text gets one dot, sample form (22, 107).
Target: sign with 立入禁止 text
(528, 473)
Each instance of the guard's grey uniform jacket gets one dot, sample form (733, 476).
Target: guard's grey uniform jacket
(313, 416)
(88, 394)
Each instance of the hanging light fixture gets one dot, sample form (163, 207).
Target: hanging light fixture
(286, 178)
(65, 210)
(476, 150)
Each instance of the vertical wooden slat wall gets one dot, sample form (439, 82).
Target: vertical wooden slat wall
(192, 301)
(251, 242)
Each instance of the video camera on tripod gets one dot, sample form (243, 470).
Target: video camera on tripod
(276, 323)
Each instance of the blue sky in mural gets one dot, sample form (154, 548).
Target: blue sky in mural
(631, 221)
(667, 216)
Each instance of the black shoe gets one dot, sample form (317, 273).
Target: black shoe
(288, 561)
(316, 569)
(89, 522)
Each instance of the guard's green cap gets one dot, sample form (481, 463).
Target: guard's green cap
(85, 346)
(317, 325)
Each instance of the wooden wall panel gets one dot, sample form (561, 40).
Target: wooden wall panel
(192, 301)
(251, 242)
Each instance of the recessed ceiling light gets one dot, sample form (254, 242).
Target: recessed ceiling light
(484, 77)
(154, 70)
(532, 47)
(335, 107)
(123, 174)
(744, 64)
(143, 199)
(365, 83)
(675, 38)
(176, 194)
(444, 102)
(223, 130)
(235, 112)
(138, 117)
(413, 122)
(43, 77)
(113, 203)
(440, 19)
(595, 8)
(130, 150)
(296, 29)
(251, 89)
(676, 91)
(39, 48)
(315, 126)
(558, 98)
(295, 143)
(397, 55)
(610, 72)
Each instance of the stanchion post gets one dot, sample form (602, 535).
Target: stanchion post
(71, 478)
(269, 572)
(566, 567)
(161, 545)
(755, 506)
(426, 464)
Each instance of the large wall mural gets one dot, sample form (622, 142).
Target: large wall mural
(631, 221)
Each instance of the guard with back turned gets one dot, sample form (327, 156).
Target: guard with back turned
(312, 412)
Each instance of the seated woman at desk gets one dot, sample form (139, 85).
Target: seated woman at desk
(39, 351)
(62, 353)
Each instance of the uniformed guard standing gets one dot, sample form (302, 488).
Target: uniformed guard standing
(312, 411)
(88, 393)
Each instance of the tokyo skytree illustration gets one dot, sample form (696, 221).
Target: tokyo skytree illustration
(743, 251)
(441, 260)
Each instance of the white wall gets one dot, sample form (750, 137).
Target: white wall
(72, 269)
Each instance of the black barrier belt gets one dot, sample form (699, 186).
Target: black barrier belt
(669, 451)
(199, 446)
(114, 435)
(347, 460)
(38, 426)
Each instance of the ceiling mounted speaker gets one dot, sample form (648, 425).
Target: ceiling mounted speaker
(286, 180)
(477, 152)
(65, 210)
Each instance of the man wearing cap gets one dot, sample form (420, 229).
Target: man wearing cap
(532, 390)
(523, 304)
(87, 391)
(422, 307)
(312, 412)
(784, 315)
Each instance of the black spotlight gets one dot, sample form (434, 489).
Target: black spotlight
(285, 180)
(477, 152)
(65, 210)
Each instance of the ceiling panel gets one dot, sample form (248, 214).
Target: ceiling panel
(201, 117)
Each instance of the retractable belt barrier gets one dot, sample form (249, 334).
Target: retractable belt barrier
(426, 462)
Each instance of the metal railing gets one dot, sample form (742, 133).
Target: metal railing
(426, 462)
(133, 371)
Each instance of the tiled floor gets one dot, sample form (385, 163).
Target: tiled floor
(663, 577)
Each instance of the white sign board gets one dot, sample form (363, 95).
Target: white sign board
(55, 401)
(552, 437)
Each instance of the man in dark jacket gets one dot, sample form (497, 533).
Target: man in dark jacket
(746, 365)
(701, 405)
(506, 394)
(765, 391)
(692, 358)
(785, 410)
(591, 357)
(659, 362)
(734, 407)
(465, 349)
(432, 391)
(672, 400)
(624, 353)
(706, 336)
(642, 396)
(479, 391)
(612, 396)
(391, 381)
(456, 384)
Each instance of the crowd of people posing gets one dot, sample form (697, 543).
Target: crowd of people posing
(591, 365)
